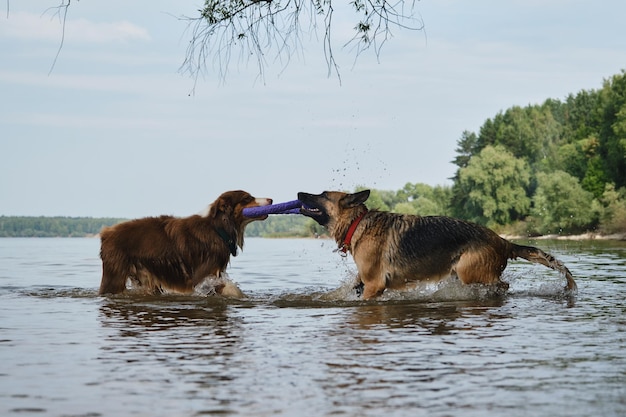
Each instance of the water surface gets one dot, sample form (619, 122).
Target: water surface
(302, 344)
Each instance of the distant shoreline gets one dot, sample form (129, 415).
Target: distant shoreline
(71, 227)
(580, 237)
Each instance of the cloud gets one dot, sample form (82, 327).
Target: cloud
(49, 27)
(137, 84)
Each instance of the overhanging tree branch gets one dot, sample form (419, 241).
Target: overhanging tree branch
(258, 29)
(61, 13)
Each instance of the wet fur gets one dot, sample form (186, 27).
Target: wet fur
(172, 254)
(397, 250)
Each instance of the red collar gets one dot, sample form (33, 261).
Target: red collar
(346, 241)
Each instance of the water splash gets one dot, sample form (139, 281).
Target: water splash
(521, 284)
(222, 286)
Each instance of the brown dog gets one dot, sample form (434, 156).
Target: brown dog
(395, 250)
(175, 254)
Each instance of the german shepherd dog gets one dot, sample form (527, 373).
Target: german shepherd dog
(172, 254)
(398, 250)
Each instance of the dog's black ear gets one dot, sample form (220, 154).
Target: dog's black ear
(353, 200)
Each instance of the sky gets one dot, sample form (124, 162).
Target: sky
(113, 128)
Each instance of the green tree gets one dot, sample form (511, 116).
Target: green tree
(613, 129)
(613, 217)
(467, 146)
(561, 205)
(380, 199)
(572, 158)
(491, 190)
(422, 207)
(595, 179)
(530, 133)
(424, 200)
(580, 115)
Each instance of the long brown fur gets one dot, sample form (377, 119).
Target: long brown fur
(397, 250)
(175, 254)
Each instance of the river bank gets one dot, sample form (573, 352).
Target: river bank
(583, 236)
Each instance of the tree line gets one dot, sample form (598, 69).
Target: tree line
(556, 167)
(553, 168)
(40, 226)
(22, 226)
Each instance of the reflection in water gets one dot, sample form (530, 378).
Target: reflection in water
(429, 318)
(180, 345)
(399, 356)
(154, 313)
(429, 357)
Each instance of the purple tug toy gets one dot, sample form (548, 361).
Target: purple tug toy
(289, 207)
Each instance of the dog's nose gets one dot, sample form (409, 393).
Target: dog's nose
(270, 201)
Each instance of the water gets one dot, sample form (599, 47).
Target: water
(303, 345)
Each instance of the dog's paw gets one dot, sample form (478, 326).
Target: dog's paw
(222, 286)
(229, 289)
(359, 288)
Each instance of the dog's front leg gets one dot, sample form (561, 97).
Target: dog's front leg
(202, 272)
(371, 274)
(372, 291)
(358, 286)
(373, 286)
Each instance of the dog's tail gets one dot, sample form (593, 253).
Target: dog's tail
(532, 254)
